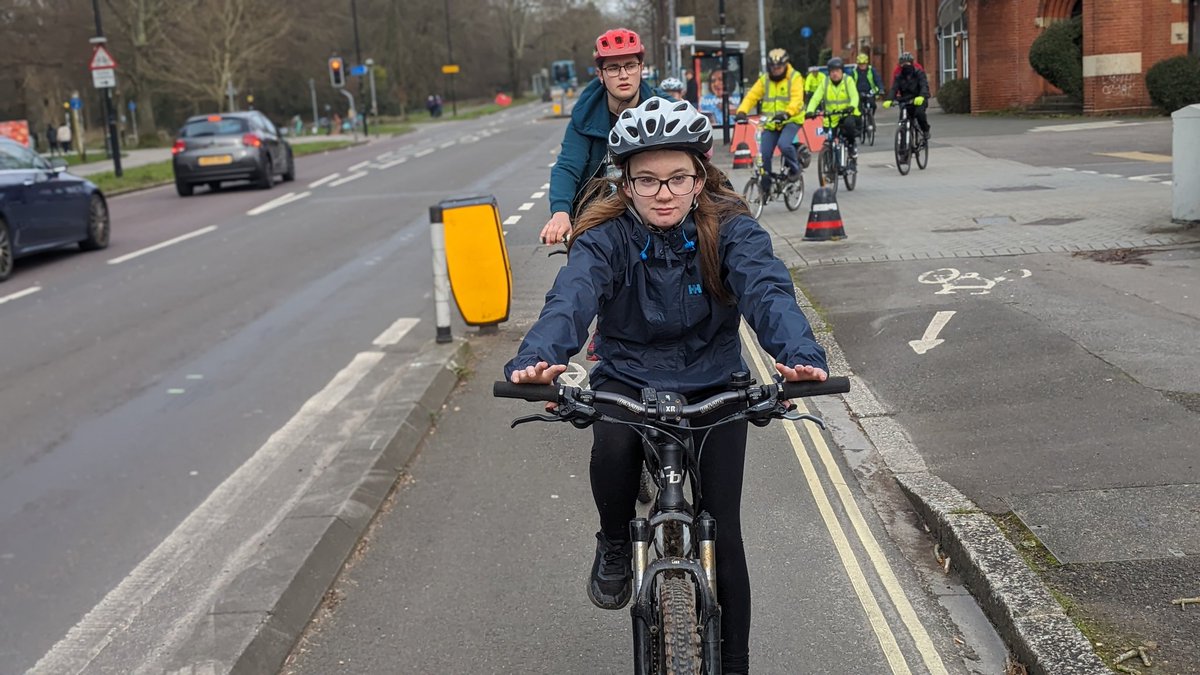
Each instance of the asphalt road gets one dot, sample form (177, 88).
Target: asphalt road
(137, 379)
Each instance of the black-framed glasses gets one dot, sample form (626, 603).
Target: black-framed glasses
(614, 69)
(649, 186)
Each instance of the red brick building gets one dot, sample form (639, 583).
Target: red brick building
(989, 40)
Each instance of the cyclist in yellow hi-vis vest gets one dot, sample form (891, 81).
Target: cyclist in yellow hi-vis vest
(781, 90)
(840, 96)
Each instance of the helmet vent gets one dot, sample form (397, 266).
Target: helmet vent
(670, 128)
(696, 125)
(651, 125)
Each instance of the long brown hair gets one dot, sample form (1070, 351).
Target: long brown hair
(716, 204)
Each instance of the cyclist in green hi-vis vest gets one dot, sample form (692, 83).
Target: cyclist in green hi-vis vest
(781, 90)
(838, 92)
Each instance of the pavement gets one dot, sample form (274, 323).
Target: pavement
(1028, 331)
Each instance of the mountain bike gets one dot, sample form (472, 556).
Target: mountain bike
(909, 141)
(868, 120)
(835, 156)
(791, 191)
(676, 617)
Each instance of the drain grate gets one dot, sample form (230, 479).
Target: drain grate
(1019, 188)
(1055, 221)
(993, 220)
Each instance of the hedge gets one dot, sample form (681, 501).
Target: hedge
(1057, 55)
(1174, 83)
(955, 96)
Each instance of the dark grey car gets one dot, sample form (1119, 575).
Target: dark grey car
(212, 149)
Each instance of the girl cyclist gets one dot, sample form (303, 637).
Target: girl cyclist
(670, 261)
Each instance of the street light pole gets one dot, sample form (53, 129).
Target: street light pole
(358, 62)
(110, 118)
(450, 60)
(724, 77)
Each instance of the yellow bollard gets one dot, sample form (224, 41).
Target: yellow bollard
(557, 108)
(476, 258)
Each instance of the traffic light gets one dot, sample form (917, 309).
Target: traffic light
(337, 72)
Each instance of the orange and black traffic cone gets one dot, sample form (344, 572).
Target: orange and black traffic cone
(744, 146)
(742, 157)
(824, 218)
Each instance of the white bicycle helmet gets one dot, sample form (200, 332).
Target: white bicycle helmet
(659, 124)
(671, 84)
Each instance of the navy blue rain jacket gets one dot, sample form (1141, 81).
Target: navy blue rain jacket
(584, 145)
(658, 326)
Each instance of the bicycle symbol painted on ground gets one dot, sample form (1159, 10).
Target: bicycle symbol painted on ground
(952, 280)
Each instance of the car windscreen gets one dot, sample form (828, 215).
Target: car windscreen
(224, 126)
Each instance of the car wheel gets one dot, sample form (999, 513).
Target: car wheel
(6, 251)
(267, 178)
(184, 189)
(99, 226)
(290, 174)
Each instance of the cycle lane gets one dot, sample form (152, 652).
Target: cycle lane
(479, 562)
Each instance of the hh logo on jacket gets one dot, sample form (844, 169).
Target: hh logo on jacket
(695, 289)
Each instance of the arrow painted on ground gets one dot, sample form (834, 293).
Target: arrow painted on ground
(930, 339)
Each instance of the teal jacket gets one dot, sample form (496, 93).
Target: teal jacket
(584, 146)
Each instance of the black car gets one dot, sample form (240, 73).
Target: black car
(213, 149)
(43, 207)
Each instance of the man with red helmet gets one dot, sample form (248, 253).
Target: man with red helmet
(618, 85)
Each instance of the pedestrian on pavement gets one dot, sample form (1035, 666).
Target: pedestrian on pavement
(692, 92)
(437, 105)
(584, 152)
(51, 138)
(669, 264)
(63, 136)
(429, 104)
(910, 86)
(336, 126)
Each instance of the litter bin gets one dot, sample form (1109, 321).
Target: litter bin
(1185, 149)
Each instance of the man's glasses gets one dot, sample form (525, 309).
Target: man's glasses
(649, 186)
(614, 69)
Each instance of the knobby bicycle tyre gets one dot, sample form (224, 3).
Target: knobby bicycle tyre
(828, 168)
(678, 638)
(646, 487)
(903, 156)
(923, 154)
(753, 194)
(851, 178)
(793, 194)
(869, 124)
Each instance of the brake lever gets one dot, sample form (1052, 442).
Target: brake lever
(796, 416)
(534, 418)
(557, 251)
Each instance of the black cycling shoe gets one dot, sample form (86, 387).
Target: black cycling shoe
(611, 582)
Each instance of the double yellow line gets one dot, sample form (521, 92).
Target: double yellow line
(850, 560)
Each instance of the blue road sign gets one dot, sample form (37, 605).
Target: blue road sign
(358, 70)
(806, 32)
(132, 106)
(76, 103)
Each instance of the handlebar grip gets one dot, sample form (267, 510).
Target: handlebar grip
(528, 392)
(833, 385)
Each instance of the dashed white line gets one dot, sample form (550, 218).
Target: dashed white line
(394, 162)
(358, 166)
(551, 164)
(347, 179)
(326, 179)
(1066, 168)
(545, 186)
(424, 152)
(1149, 177)
(525, 207)
(162, 245)
(28, 291)
(537, 195)
(384, 155)
(1089, 171)
(1112, 175)
(394, 333)
(1168, 182)
(447, 144)
(276, 203)
(512, 220)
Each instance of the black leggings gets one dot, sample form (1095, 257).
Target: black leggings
(616, 469)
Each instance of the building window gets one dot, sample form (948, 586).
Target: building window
(900, 42)
(948, 54)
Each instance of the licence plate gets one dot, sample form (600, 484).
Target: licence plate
(216, 160)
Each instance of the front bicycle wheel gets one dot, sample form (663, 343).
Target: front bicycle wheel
(869, 123)
(851, 178)
(828, 168)
(793, 194)
(922, 154)
(903, 157)
(753, 194)
(679, 641)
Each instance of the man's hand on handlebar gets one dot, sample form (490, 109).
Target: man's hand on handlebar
(740, 118)
(539, 373)
(557, 229)
(780, 117)
(801, 373)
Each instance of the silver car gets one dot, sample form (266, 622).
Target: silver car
(213, 149)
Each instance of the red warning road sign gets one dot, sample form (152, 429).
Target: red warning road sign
(101, 59)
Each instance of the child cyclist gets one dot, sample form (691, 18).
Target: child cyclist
(670, 262)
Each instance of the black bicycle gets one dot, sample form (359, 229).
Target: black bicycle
(909, 141)
(868, 120)
(782, 187)
(835, 155)
(676, 617)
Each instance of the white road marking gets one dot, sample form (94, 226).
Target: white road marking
(1066, 168)
(953, 280)
(384, 155)
(512, 220)
(326, 179)
(276, 203)
(525, 207)
(1088, 171)
(551, 164)
(447, 144)
(545, 186)
(930, 339)
(162, 245)
(28, 291)
(424, 152)
(1113, 175)
(347, 179)
(1168, 182)
(537, 195)
(395, 332)
(358, 166)
(1149, 177)
(394, 162)
(1085, 126)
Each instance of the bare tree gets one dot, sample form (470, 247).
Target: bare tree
(140, 29)
(516, 18)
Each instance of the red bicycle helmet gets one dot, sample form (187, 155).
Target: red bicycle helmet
(618, 42)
